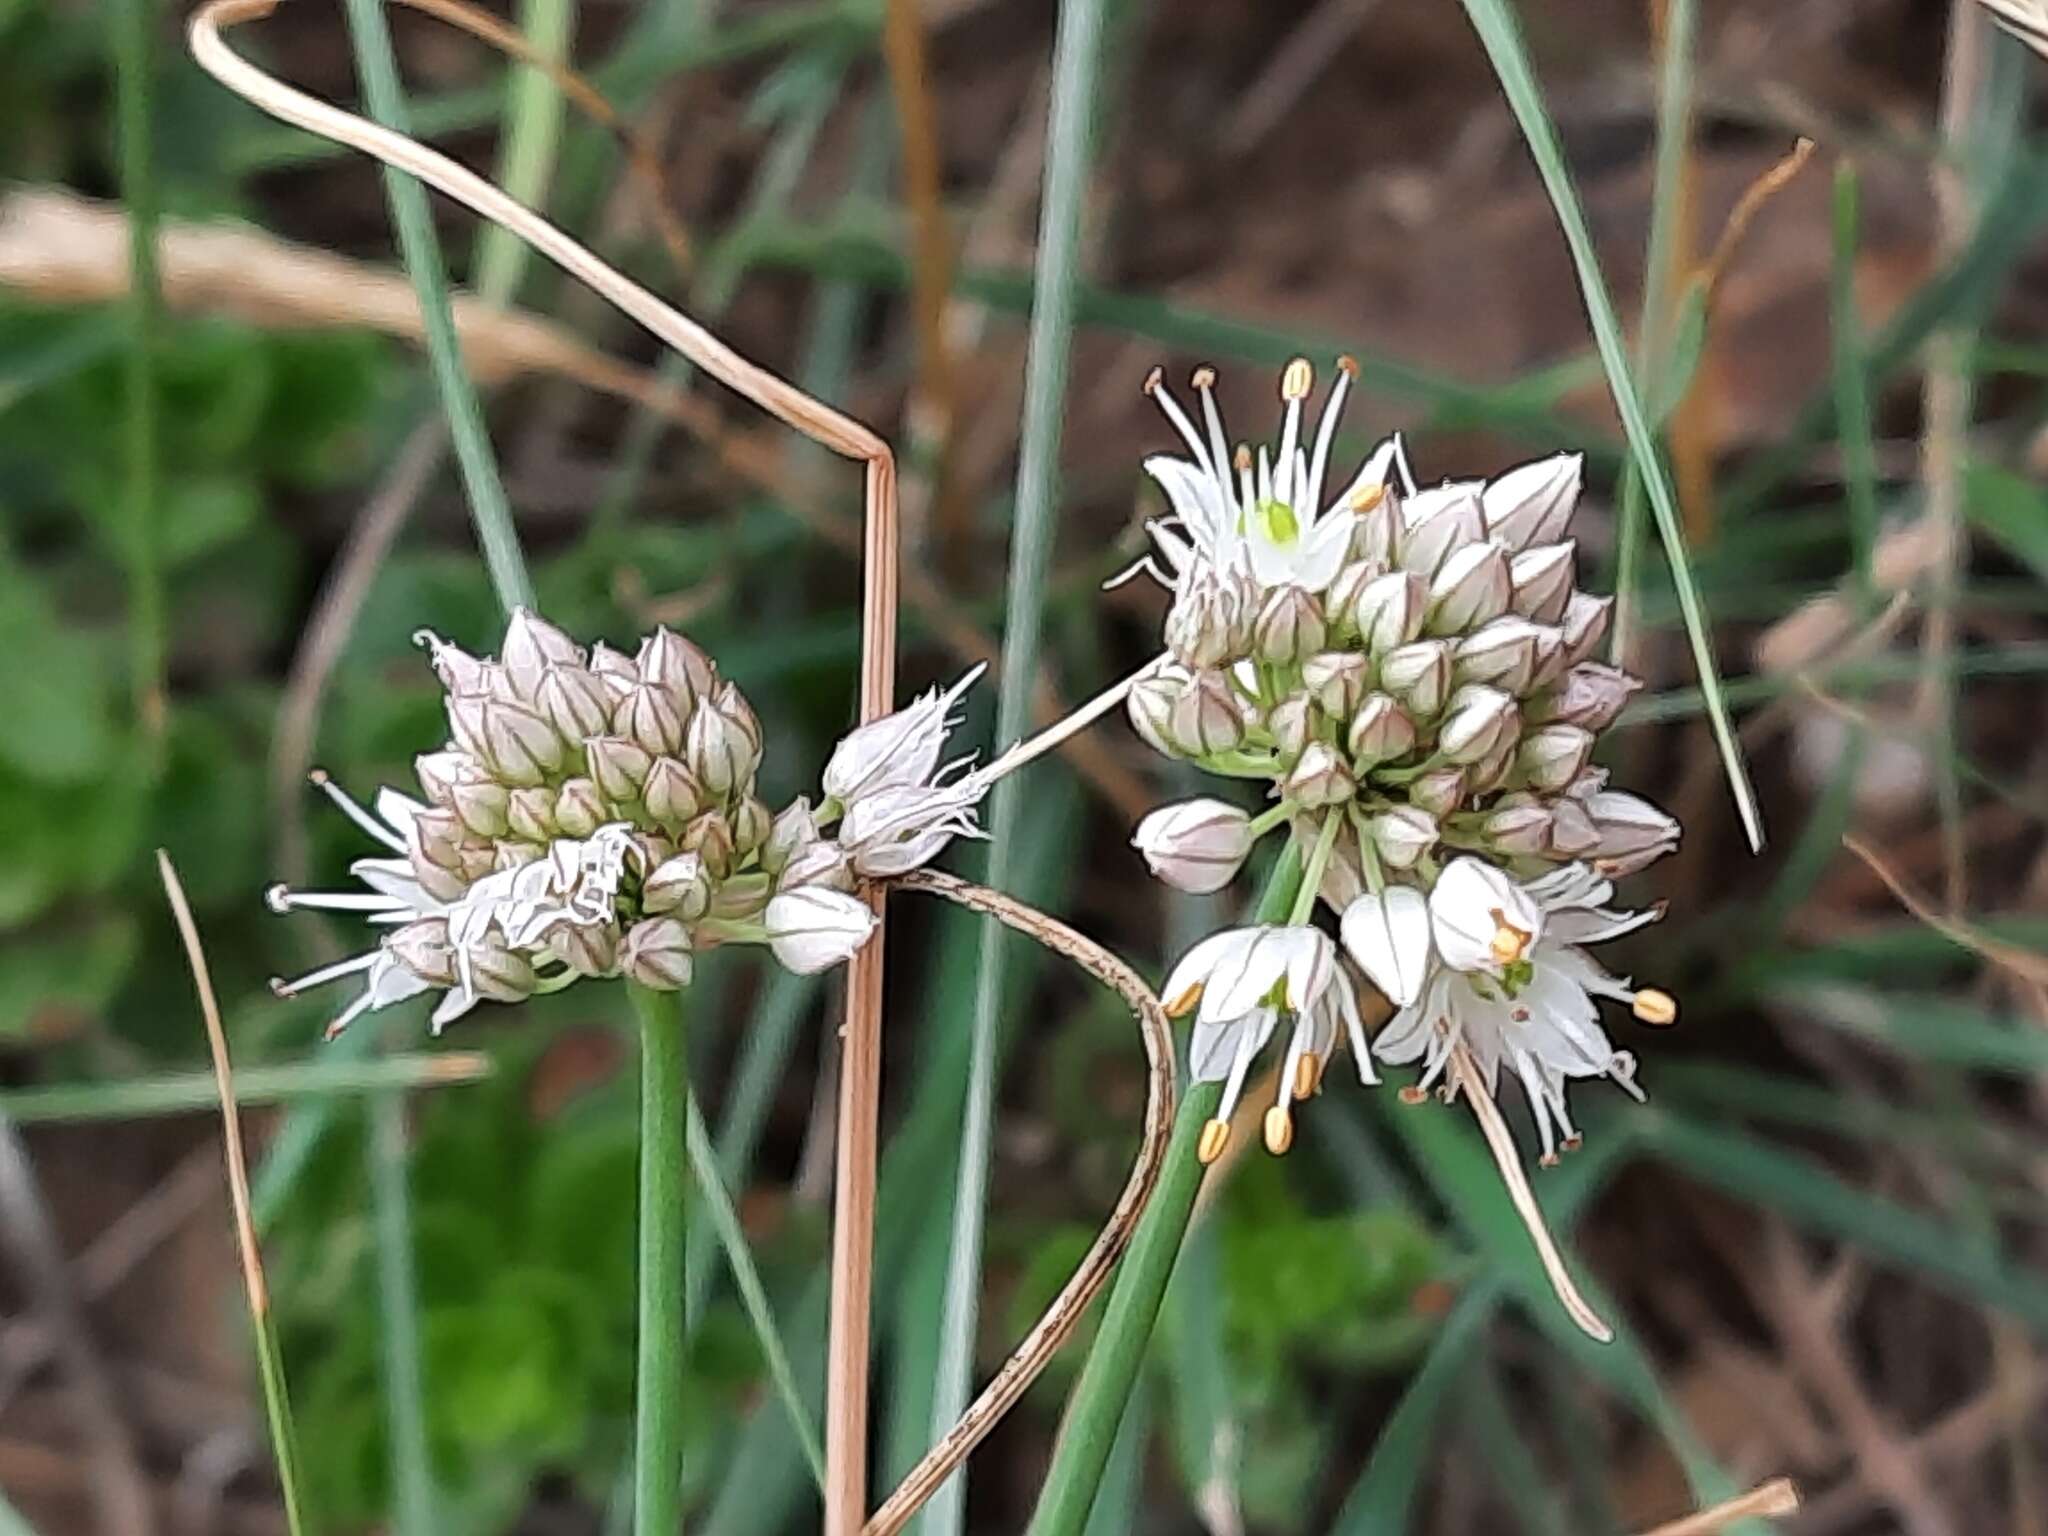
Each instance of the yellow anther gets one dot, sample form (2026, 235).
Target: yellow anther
(1655, 1007)
(1180, 1007)
(1509, 942)
(1297, 380)
(1308, 1074)
(1279, 1130)
(1366, 497)
(1215, 1137)
(1349, 365)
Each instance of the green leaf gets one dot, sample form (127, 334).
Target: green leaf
(53, 693)
(47, 988)
(2012, 510)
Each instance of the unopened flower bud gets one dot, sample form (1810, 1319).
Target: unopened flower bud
(710, 838)
(648, 716)
(509, 853)
(672, 662)
(1543, 576)
(1592, 694)
(440, 772)
(516, 745)
(1572, 832)
(1150, 708)
(1438, 520)
(1339, 680)
(481, 806)
(588, 949)
(1629, 825)
(742, 899)
(751, 823)
(441, 883)
(1439, 791)
(1291, 724)
(478, 860)
(1551, 756)
(1319, 778)
(656, 953)
(1480, 720)
(422, 948)
(615, 669)
(671, 794)
(579, 809)
(1207, 718)
(1532, 504)
(1206, 624)
(821, 863)
(1584, 625)
(1389, 611)
(795, 827)
(812, 929)
(458, 671)
(618, 767)
(1197, 845)
(436, 835)
(1381, 731)
(1289, 626)
(1492, 771)
(1340, 598)
(1419, 675)
(1470, 588)
(1620, 865)
(739, 714)
(1402, 834)
(530, 812)
(574, 701)
(532, 645)
(501, 974)
(1375, 527)
(1502, 654)
(1518, 829)
(718, 750)
(678, 885)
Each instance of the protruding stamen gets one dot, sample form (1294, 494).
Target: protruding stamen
(325, 974)
(1366, 497)
(355, 812)
(1296, 380)
(1547, 1160)
(1413, 1094)
(1347, 365)
(281, 900)
(1509, 942)
(1204, 382)
(1180, 1007)
(1203, 378)
(1326, 433)
(1573, 1142)
(1248, 493)
(1279, 1130)
(1215, 1137)
(1653, 1006)
(1155, 386)
(278, 898)
(1308, 1074)
(1154, 379)
(348, 1016)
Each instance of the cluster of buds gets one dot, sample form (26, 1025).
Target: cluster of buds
(594, 814)
(1414, 673)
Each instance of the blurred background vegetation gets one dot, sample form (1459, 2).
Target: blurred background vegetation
(222, 517)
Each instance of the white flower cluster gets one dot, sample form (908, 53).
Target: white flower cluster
(594, 815)
(1413, 673)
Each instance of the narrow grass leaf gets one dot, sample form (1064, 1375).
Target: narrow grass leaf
(1852, 395)
(415, 1500)
(384, 98)
(1498, 30)
(1069, 154)
(182, 1093)
(134, 63)
(533, 126)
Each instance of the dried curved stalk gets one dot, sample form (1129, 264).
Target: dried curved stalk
(1052, 1329)
(846, 1419)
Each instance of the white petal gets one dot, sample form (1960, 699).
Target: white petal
(1389, 936)
(1473, 900)
(1195, 967)
(1193, 495)
(1323, 550)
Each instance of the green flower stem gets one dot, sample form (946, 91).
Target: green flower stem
(1266, 821)
(1111, 1372)
(1318, 863)
(658, 1397)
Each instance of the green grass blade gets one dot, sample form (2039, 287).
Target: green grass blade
(1667, 200)
(181, 1093)
(704, 1165)
(1808, 1196)
(1495, 22)
(415, 1499)
(1852, 397)
(384, 96)
(1076, 68)
(533, 127)
(133, 39)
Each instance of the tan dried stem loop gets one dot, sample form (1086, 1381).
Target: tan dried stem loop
(1059, 1320)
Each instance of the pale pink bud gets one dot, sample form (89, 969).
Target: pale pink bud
(1518, 829)
(532, 645)
(1389, 610)
(795, 827)
(1592, 694)
(459, 671)
(820, 863)
(1206, 624)
(1381, 731)
(1150, 708)
(1340, 600)
(1584, 625)
(1533, 503)
(1338, 679)
(618, 766)
(718, 751)
(1419, 675)
(509, 853)
(672, 796)
(500, 975)
(739, 714)
(440, 772)
(812, 928)
(648, 715)
(1469, 588)
(1439, 791)
(1629, 824)
(1319, 778)
(1289, 626)
(1572, 833)
(1438, 520)
(1196, 845)
(530, 812)
(751, 823)
(422, 948)
(678, 885)
(579, 809)
(710, 838)
(516, 744)
(435, 835)
(672, 662)
(1375, 529)
(1479, 721)
(1502, 654)
(574, 701)
(615, 669)
(1207, 718)
(1542, 577)
(1291, 723)
(1403, 834)
(657, 954)
(1551, 756)
(588, 949)
(481, 806)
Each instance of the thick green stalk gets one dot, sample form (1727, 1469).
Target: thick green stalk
(533, 125)
(384, 96)
(1111, 1373)
(658, 1396)
(415, 1498)
(1077, 56)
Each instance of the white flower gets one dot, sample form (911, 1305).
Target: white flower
(894, 831)
(1534, 1014)
(1196, 845)
(1238, 984)
(1263, 517)
(812, 928)
(1388, 935)
(897, 751)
